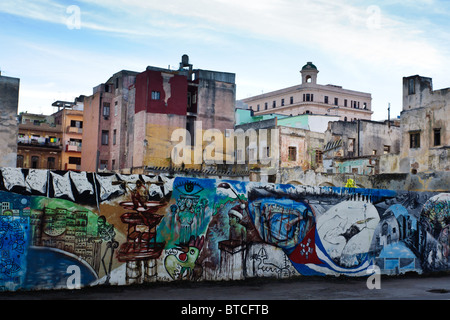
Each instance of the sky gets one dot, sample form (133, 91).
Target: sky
(63, 49)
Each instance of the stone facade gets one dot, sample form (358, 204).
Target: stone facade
(313, 98)
(356, 147)
(425, 128)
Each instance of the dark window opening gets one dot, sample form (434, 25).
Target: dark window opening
(414, 140)
(156, 95)
(437, 137)
(292, 153)
(75, 160)
(105, 137)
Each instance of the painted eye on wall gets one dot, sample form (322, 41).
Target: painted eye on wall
(189, 187)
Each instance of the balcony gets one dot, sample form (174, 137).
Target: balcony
(77, 130)
(39, 143)
(73, 147)
(72, 167)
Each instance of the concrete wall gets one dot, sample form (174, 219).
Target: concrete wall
(66, 229)
(9, 130)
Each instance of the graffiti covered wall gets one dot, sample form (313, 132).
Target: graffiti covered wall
(57, 226)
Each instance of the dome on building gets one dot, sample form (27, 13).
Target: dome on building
(309, 66)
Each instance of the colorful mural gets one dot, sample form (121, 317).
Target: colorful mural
(123, 229)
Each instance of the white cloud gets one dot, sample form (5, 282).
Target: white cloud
(363, 38)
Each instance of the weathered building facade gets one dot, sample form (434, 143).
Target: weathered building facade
(39, 142)
(133, 116)
(355, 147)
(313, 98)
(9, 103)
(274, 144)
(425, 120)
(106, 126)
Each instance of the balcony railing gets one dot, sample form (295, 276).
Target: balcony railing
(74, 130)
(25, 141)
(73, 147)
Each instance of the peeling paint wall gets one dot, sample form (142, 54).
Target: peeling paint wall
(91, 229)
(424, 126)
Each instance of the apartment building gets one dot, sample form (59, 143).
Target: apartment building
(312, 98)
(130, 118)
(39, 144)
(70, 117)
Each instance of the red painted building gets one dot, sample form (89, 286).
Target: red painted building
(132, 116)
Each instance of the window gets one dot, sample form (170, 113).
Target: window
(365, 105)
(76, 124)
(117, 83)
(411, 85)
(265, 105)
(156, 95)
(51, 163)
(103, 164)
(386, 149)
(308, 97)
(319, 157)
(374, 152)
(19, 161)
(114, 136)
(106, 110)
(274, 104)
(282, 102)
(414, 140)
(291, 100)
(252, 154)
(113, 164)
(75, 160)
(437, 137)
(292, 153)
(336, 100)
(105, 137)
(326, 99)
(35, 162)
(116, 108)
(351, 145)
(239, 155)
(257, 107)
(345, 102)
